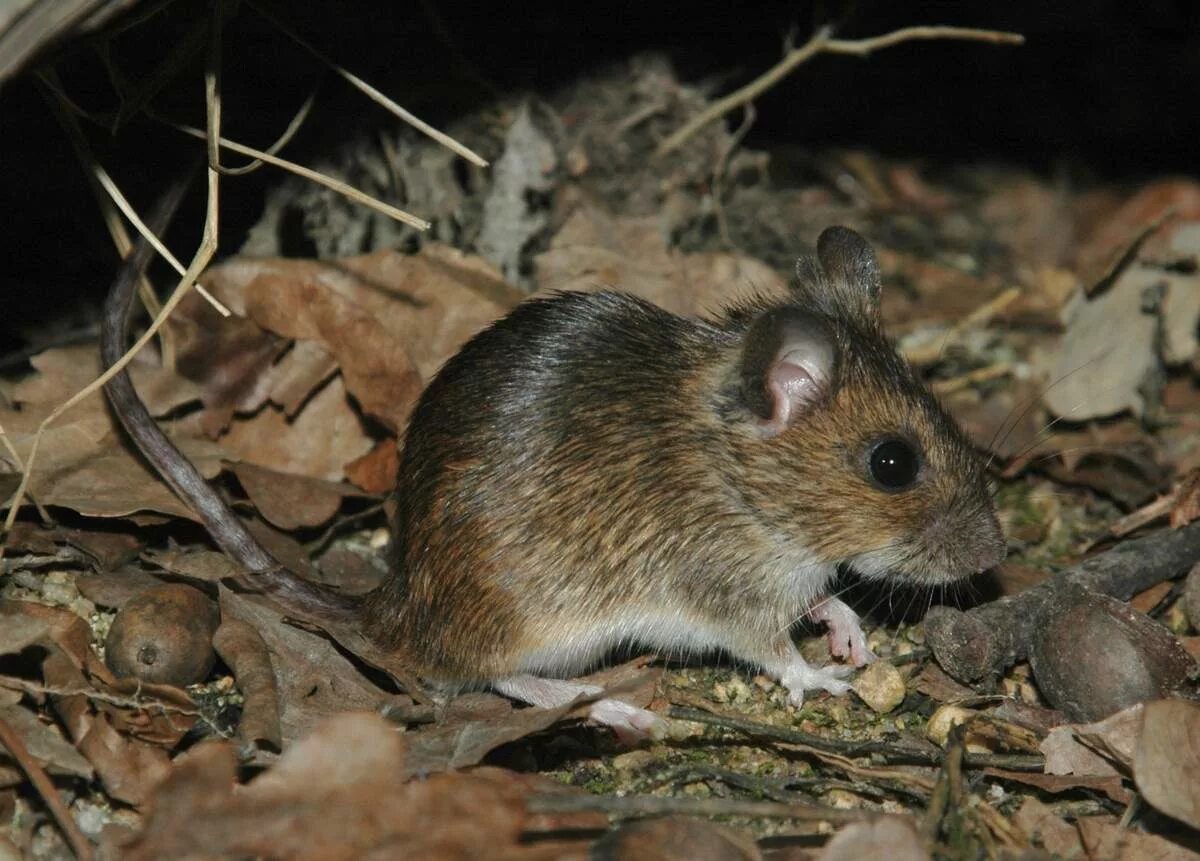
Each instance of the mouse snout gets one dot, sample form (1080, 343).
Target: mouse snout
(966, 540)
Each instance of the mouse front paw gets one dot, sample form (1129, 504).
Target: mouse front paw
(801, 677)
(846, 637)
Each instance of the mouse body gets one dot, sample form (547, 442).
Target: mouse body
(594, 472)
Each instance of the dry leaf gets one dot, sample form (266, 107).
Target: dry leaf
(675, 838)
(325, 436)
(45, 745)
(1166, 761)
(892, 838)
(242, 649)
(375, 472)
(348, 772)
(292, 501)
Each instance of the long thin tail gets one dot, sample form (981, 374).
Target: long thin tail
(294, 592)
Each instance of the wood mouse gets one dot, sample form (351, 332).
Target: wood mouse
(592, 472)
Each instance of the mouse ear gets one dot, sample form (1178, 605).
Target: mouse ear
(844, 280)
(787, 366)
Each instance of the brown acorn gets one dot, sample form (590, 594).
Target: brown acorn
(164, 636)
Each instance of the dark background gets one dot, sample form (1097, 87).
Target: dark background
(1104, 91)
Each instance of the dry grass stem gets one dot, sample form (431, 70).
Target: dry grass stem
(821, 42)
(375, 95)
(311, 175)
(122, 203)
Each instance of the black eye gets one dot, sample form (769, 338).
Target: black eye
(893, 464)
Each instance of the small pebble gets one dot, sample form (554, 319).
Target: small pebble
(945, 719)
(880, 686)
(634, 760)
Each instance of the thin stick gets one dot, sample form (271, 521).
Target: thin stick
(885, 751)
(654, 805)
(375, 95)
(822, 43)
(45, 787)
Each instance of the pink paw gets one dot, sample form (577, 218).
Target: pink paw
(631, 724)
(846, 637)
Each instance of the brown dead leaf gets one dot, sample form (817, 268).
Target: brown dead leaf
(1166, 759)
(244, 652)
(300, 372)
(1105, 837)
(1108, 359)
(1148, 599)
(20, 631)
(375, 472)
(892, 838)
(63, 371)
(675, 838)
(1065, 754)
(323, 437)
(1111, 785)
(312, 676)
(596, 251)
(348, 772)
(1042, 826)
(209, 566)
(388, 319)
(110, 550)
(228, 357)
(375, 364)
(1111, 236)
(45, 745)
(292, 501)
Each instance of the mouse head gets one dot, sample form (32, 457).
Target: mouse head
(843, 446)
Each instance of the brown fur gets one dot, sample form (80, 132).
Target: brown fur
(589, 455)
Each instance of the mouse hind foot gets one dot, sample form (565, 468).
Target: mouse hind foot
(630, 723)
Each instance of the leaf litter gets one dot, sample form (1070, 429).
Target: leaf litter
(1082, 385)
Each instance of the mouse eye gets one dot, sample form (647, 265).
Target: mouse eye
(893, 464)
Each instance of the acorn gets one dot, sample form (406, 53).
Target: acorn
(1095, 655)
(164, 636)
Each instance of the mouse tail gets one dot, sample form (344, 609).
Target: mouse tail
(265, 574)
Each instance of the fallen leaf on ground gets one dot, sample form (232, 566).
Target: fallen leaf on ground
(348, 771)
(292, 501)
(1166, 760)
(892, 838)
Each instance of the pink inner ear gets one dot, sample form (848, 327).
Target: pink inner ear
(792, 388)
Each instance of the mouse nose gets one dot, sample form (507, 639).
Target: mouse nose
(987, 547)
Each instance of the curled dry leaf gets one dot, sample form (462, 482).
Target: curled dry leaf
(113, 590)
(348, 772)
(209, 566)
(1166, 761)
(244, 652)
(164, 636)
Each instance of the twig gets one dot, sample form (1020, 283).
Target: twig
(653, 805)
(928, 353)
(137, 703)
(882, 750)
(45, 787)
(983, 642)
(821, 42)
